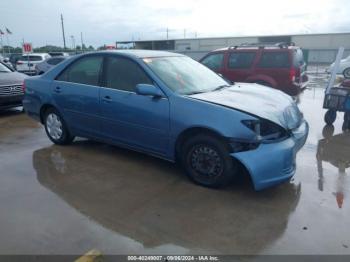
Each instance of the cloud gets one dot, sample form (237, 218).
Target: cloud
(107, 21)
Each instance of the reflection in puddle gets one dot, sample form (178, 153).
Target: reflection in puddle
(152, 202)
(334, 149)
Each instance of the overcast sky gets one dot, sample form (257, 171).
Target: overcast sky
(107, 21)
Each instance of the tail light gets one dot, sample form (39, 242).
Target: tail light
(19, 63)
(24, 87)
(292, 74)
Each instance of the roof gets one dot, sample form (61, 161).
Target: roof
(35, 54)
(143, 53)
(254, 48)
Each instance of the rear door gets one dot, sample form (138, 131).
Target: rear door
(240, 65)
(76, 94)
(275, 64)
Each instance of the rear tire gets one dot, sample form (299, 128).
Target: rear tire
(56, 129)
(330, 116)
(207, 161)
(328, 131)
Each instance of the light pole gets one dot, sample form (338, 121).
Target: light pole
(63, 35)
(73, 42)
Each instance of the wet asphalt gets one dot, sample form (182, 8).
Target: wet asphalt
(69, 200)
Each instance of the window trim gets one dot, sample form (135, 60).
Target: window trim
(103, 82)
(99, 82)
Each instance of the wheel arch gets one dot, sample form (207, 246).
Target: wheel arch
(192, 131)
(262, 79)
(244, 171)
(44, 108)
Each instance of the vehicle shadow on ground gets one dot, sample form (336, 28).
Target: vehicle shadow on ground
(151, 200)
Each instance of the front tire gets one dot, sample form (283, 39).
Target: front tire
(207, 161)
(56, 128)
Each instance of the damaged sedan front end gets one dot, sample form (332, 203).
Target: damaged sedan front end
(276, 126)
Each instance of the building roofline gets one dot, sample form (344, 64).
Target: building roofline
(225, 37)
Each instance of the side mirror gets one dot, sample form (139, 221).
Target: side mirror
(6, 60)
(148, 90)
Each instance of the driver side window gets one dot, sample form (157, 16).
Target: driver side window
(124, 74)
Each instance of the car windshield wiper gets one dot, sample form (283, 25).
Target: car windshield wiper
(195, 93)
(221, 87)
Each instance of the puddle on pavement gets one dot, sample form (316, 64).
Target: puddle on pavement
(89, 195)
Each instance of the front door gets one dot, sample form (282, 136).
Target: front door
(128, 118)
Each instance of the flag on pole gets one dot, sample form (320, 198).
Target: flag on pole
(8, 31)
(1, 32)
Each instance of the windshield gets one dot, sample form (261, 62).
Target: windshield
(4, 69)
(185, 76)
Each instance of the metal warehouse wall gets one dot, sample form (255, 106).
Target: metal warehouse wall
(321, 48)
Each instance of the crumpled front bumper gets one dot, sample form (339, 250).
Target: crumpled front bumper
(274, 163)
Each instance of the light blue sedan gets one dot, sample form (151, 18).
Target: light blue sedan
(172, 107)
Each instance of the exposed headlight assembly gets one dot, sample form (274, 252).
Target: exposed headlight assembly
(265, 131)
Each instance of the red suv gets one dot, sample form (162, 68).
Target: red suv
(280, 66)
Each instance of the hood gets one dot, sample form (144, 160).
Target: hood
(11, 78)
(341, 61)
(258, 100)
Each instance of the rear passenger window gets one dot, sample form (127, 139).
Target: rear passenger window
(84, 71)
(124, 74)
(241, 60)
(274, 59)
(214, 61)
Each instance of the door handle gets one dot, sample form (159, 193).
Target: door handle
(58, 89)
(107, 99)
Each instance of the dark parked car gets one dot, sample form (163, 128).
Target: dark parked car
(280, 66)
(11, 92)
(13, 58)
(171, 106)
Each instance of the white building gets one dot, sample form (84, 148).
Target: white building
(318, 48)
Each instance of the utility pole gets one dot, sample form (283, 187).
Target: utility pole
(167, 33)
(64, 37)
(82, 42)
(184, 33)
